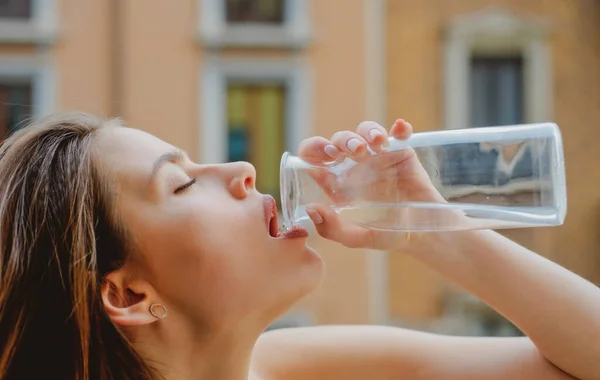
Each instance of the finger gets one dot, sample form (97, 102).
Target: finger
(327, 182)
(392, 159)
(331, 226)
(350, 143)
(318, 150)
(401, 129)
(373, 133)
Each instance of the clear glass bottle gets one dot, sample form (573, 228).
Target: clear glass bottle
(448, 180)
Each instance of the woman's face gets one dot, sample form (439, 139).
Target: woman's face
(201, 233)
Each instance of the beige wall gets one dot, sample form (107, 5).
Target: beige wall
(81, 57)
(156, 58)
(160, 70)
(415, 85)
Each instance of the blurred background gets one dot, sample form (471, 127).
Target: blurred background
(247, 79)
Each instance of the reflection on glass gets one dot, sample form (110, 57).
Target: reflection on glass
(496, 99)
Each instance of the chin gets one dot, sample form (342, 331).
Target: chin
(295, 284)
(301, 268)
(313, 269)
(290, 299)
(307, 271)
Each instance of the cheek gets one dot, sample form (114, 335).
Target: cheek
(207, 256)
(237, 265)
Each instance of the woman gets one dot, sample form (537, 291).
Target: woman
(122, 259)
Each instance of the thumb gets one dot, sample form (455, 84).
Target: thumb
(331, 226)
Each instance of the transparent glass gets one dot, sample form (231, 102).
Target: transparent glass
(448, 180)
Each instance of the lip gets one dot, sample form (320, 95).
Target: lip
(271, 217)
(272, 222)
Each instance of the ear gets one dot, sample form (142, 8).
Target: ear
(127, 301)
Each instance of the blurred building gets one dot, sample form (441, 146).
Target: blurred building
(247, 79)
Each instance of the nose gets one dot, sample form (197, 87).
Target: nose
(241, 178)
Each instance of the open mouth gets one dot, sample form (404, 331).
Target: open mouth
(272, 221)
(271, 216)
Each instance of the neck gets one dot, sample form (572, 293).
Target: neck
(179, 355)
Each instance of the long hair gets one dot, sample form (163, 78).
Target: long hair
(59, 237)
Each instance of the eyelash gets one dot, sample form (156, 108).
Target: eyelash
(185, 186)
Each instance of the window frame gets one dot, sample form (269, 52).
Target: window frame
(256, 156)
(213, 80)
(41, 75)
(215, 32)
(493, 63)
(40, 29)
(18, 81)
(496, 32)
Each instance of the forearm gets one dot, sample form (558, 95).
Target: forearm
(558, 310)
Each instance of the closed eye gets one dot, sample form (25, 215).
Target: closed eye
(185, 186)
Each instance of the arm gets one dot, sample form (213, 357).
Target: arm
(558, 310)
(555, 308)
(386, 353)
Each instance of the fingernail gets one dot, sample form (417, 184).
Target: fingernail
(314, 216)
(373, 133)
(353, 145)
(331, 151)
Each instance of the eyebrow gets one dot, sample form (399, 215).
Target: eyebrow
(174, 156)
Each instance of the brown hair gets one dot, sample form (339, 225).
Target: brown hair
(59, 237)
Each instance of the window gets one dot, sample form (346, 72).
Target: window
(496, 73)
(496, 43)
(254, 23)
(254, 11)
(15, 106)
(256, 130)
(254, 109)
(27, 90)
(15, 9)
(254, 95)
(496, 98)
(28, 21)
(496, 91)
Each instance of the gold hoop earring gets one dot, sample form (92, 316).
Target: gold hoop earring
(158, 315)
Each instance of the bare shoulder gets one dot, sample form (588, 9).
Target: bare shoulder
(381, 353)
